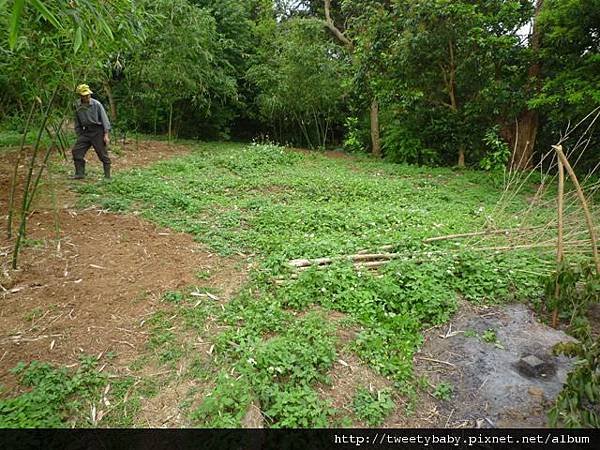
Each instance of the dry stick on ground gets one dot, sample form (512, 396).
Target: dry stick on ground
(584, 205)
(13, 184)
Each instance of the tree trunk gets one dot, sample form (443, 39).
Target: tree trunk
(170, 121)
(525, 134)
(461, 156)
(451, 86)
(528, 121)
(375, 141)
(374, 113)
(111, 101)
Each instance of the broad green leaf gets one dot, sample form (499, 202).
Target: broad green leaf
(78, 39)
(14, 22)
(46, 13)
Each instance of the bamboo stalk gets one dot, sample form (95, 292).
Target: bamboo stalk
(530, 246)
(13, 183)
(584, 205)
(298, 263)
(478, 233)
(559, 244)
(39, 174)
(25, 204)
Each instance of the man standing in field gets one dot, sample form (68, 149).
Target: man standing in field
(92, 128)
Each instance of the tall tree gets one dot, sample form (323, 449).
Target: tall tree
(528, 122)
(374, 104)
(449, 70)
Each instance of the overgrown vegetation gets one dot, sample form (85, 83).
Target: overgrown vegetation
(279, 205)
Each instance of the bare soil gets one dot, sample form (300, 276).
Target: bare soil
(87, 286)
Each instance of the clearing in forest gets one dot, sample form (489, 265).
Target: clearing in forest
(164, 297)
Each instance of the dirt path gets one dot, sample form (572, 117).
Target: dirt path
(90, 291)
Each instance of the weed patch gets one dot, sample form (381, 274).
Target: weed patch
(55, 398)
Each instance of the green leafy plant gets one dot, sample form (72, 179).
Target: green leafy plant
(577, 404)
(55, 398)
(372, 407)
(226, 405)
(443, 391)
(578, 289)
(498, 152)
(298, 407)
(489, 336)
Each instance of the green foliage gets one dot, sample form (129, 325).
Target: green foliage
(277, 370)
(443, 72)
(299, 75)
(579, 288)
(298, 407)
(577, 404)
(489, 336)
(173, 297)
(570, 60)
(56, 397)
(372, 407)
(401, 145)
(443, 391)
(498, 152)
(282, 205)
(226, 405)
(179, 65)
(355, 139)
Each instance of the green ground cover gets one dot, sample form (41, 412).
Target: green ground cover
(278, 342)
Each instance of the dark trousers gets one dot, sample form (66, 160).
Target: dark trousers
(90, 137)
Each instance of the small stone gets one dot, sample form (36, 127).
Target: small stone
(533, 361)
(533, 367)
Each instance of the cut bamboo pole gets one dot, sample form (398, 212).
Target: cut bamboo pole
(478, 233)
(559, 243)
(298, 263)
(530, 246)
(584, 205)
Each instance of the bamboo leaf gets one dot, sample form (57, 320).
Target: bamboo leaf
(46, 13)
(107, 29)
(78, 40)
(14, 23)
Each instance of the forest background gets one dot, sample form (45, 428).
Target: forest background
(435, 82)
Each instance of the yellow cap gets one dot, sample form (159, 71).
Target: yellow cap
(84, 89)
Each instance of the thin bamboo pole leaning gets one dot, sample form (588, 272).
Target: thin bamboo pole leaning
(584, 204)
(559, 243)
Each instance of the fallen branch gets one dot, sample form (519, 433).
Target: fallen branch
(436, 361)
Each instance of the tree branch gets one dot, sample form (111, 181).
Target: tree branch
(335, 30)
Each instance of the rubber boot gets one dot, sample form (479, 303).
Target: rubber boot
(107, 171)
(79, 170)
